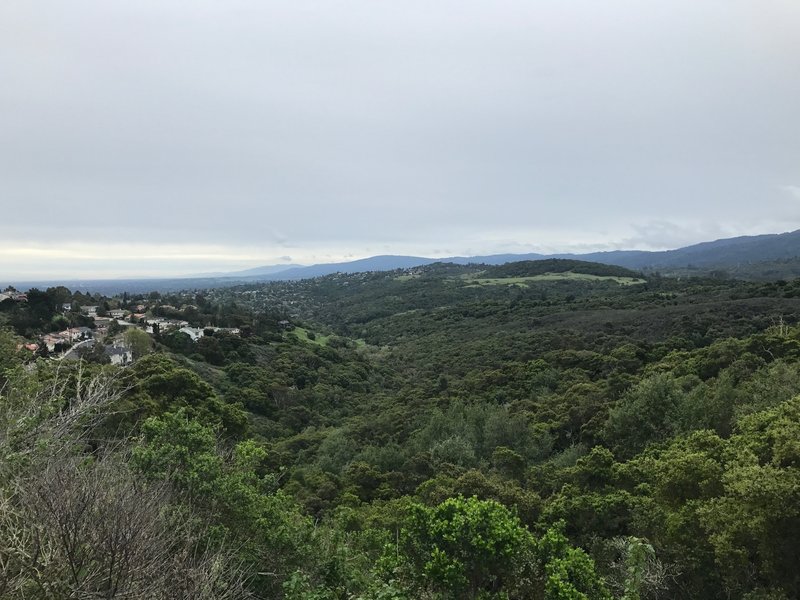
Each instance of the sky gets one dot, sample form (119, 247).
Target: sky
(170, 137)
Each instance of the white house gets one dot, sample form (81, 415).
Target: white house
(193, 332)
(118, 355)
(78, 333)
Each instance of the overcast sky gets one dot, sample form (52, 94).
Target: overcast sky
(172, 137)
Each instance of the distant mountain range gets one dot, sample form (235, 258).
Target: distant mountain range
(719, 254)
(725, 254)
(769, 256)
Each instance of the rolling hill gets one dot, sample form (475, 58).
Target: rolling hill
(741, 255)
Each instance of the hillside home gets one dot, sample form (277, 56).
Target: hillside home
(11, 294)
(119, 355)
(164, 324)
(193, 332)
(51, 340)
(78, 333)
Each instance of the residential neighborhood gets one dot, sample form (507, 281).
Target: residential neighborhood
(88, 326)
(13, 295)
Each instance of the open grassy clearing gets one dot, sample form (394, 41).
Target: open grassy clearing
(568, 275)
(319, 339)
(302, 334)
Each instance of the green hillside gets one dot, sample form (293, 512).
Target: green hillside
(529, 268)
(413, 434)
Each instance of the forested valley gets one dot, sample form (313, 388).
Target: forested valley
(537, 430)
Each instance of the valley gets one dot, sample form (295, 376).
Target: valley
(573, 401)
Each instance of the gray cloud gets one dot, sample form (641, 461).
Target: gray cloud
(324, 129)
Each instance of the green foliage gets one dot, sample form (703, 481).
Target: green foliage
(647, 413)
(569, 573)
(527, 268)
(470, 548)
(234, 491)
(10, 358)
(462, 548)
(180, 449)
(573, 438)
(158, 385)
(755, 520)
(637, 554)
(138, 341)
(76, 519)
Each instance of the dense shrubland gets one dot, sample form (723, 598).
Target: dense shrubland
(410, 436)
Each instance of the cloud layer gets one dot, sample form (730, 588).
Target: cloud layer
(233, 133)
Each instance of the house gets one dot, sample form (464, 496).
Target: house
(12, 294)
(67, 337)
(78, 333)
(119, 355)
(117, 313)
(164, 325)
(66, 307)
(101, 325)
(51, 340)
(193, 332)
(89, 310)
(150, 324)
